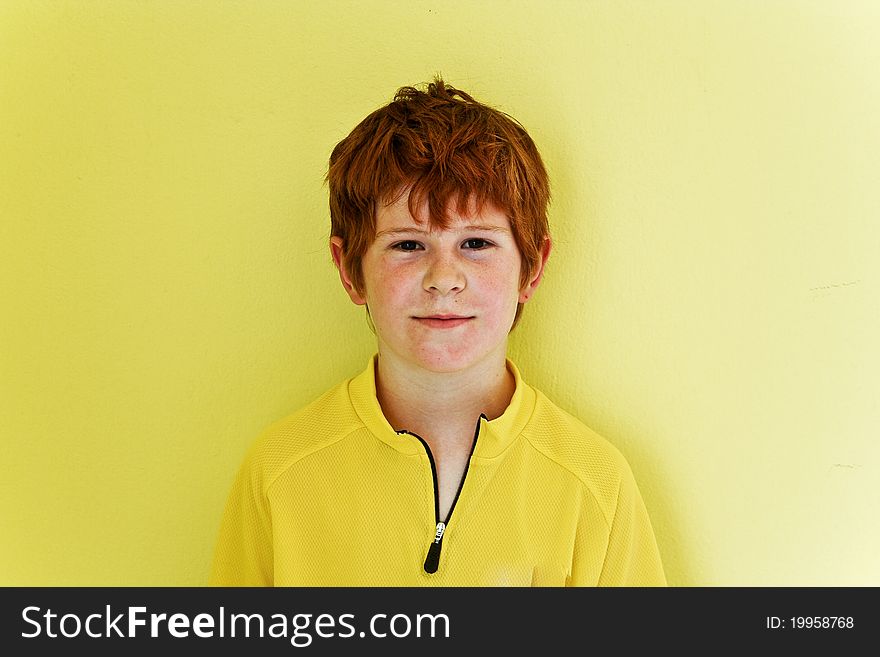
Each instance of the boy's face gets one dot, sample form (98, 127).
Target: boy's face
(441, 301)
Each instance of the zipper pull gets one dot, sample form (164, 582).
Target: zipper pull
(433, 560)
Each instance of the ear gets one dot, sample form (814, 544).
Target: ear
(337, 251)
(529, 290)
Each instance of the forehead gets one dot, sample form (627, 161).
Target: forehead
(397, 215)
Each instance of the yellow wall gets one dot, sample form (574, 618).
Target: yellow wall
(711, 306)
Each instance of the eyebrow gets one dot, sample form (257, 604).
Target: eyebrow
(469, 227)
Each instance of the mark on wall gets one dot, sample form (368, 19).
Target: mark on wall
(837, 467)
(834, 285)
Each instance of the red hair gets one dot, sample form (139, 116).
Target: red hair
(439, 144)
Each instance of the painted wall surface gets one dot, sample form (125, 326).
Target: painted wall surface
(711, 306)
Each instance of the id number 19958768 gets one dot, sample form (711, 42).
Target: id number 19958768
(809, 623)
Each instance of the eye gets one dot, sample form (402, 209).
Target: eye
(406, 245)
(476, 243)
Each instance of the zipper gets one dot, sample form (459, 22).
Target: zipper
(432, 561)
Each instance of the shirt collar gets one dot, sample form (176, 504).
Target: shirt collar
(494, 437)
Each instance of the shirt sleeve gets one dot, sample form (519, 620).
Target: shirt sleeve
(243, 555)
(614, 542)
(632, 557)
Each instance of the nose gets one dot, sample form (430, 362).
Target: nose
(444, 275)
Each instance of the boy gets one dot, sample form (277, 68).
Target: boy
(437, 465)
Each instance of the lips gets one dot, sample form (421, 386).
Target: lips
(443, 321)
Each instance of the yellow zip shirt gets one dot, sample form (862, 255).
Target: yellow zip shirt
(332, 495)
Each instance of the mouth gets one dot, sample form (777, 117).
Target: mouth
(443, 321)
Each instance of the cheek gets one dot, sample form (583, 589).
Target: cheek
(498, 292)
(387, 288)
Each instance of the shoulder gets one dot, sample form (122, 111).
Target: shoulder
(577, 448)
(321, 423)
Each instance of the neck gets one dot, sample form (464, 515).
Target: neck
(423, 401)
